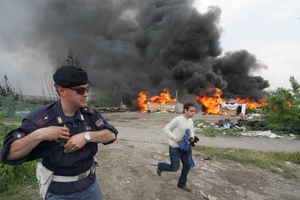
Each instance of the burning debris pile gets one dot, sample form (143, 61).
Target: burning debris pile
(213, 103)
(211, 100)
(163, 102)
(131, 46)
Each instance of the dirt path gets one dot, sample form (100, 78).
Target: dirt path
(127, 168)
(146, 128)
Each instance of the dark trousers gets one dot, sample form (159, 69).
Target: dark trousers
(175, 156)
(91, 193)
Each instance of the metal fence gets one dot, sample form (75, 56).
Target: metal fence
(12, 107)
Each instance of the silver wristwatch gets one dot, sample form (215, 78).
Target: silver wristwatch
(87, 136)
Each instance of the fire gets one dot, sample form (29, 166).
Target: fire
(163, 98)
(211, 102)
(251, 104)
(142, 101)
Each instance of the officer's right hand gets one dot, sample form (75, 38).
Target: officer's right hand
(52, 133)
(178, 139)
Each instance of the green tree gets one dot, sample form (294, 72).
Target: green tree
(283, 110)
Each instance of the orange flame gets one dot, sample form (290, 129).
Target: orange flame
(142, 101)
(251, 104)
(211, 102)
(163, 98)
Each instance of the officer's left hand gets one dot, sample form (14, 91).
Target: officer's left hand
(75, 143)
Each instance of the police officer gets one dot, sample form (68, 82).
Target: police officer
(65, 135)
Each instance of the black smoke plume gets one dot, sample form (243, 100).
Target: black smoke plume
(131, 45)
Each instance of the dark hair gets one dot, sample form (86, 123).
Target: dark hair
(187, 105)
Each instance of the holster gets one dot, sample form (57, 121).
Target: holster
(44, 177)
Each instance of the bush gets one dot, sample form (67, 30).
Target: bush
(283, 109)
(12, 177)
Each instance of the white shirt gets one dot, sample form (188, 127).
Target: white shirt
(176, 129)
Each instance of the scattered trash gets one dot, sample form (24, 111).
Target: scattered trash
(112, 109)
(266, 134)
(259, 125)
(258, 128)
(227, 124)
(253, 116)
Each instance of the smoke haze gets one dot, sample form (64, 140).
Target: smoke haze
(128, 46)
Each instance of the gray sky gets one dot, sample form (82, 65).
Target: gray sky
(270, 29)
(28, 69)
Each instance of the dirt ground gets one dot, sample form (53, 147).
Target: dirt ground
(127, 168)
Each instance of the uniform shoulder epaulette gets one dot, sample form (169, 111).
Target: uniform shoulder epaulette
(42, 114)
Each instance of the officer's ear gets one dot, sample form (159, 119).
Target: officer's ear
(59, 90)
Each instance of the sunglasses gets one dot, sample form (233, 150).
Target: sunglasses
(80, 90)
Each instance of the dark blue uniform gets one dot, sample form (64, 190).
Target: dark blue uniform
(52, 152)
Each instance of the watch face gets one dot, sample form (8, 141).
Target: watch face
(87, 136)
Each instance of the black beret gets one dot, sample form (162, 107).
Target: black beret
(70, 76)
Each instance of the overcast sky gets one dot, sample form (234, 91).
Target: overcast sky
(270, 29)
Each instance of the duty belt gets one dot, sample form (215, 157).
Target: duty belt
(75, 178)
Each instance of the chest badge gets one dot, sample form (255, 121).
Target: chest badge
(81, 117)
(59, 120)
(99, 122)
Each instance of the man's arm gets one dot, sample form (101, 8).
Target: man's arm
(102, 136)
(78, 141)
(169, 129)
(101, 124)
(23, 146)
